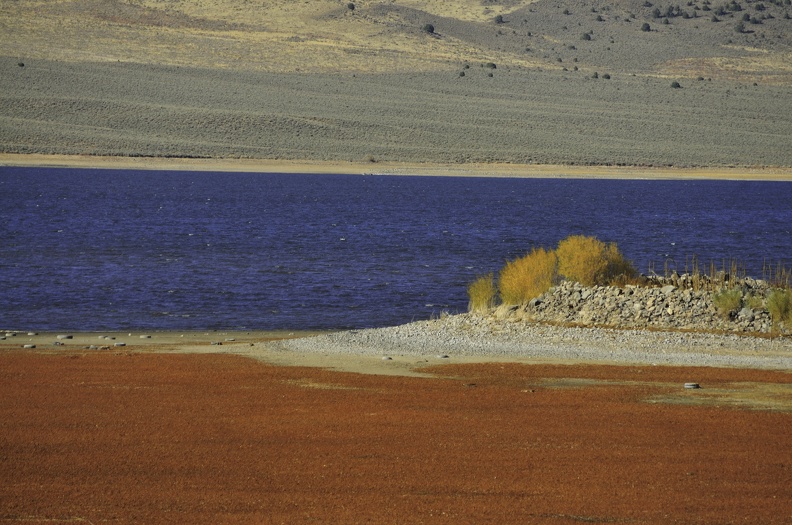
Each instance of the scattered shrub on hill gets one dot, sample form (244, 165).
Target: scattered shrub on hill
(482, 293)
(429, 28)
(351, 6)
(527, 277)
(728, 302)
(590, 261)
(499, 19)
(779, 304)
(675, 85)
(646, 27)
(491, 65)
(586, 36)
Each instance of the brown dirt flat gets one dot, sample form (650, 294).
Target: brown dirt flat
(123, 437)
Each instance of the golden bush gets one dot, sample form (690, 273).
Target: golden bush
(482, 293)
(590, 261)
(527, 277)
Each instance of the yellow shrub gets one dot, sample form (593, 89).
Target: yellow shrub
(619, 268)
(527, 277)
(590, 261)
(481, 293)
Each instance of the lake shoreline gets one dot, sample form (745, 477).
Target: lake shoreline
(406, 349)
(494, 170)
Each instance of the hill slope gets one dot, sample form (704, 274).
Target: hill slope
(559, 81)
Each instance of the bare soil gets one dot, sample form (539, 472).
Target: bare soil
(121, 436)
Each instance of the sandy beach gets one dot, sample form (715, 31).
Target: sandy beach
(395, 168)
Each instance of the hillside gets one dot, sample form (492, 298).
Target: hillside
(558, 81)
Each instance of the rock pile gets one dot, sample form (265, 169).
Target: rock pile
(664, 306)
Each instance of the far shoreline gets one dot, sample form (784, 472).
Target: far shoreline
(494, 170)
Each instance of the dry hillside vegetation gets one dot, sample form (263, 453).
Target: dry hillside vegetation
(549, 81)
(327, 35)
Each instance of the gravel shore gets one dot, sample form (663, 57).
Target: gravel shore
(475, 336)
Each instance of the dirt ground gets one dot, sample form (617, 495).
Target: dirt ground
(124, 436)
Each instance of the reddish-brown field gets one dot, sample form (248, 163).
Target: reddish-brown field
(153, 438)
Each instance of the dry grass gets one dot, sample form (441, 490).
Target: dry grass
(779, 304)
(728, 301)
(482, 293)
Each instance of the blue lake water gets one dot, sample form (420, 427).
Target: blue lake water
(110, 250)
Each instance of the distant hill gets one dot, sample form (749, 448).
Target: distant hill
(583, 78)
(690, 39)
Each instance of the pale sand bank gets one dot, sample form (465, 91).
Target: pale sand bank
(251, 344)
(395, 168)
(382, 354)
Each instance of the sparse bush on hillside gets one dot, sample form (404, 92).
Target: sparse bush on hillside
(585, 36)
(675, 85)
(646, 27)
(499, 19)
(590, 261)
(351, 6)
(429, 28)
(527, 277)
(482, 293)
